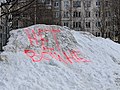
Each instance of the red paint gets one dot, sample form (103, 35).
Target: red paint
(32, 38)
(54, 32)
(58, 57)
(42, 56)
(67, 57)
(32, 54)
(76, 58)
(55, 38)
(40, 31)
(50, 51)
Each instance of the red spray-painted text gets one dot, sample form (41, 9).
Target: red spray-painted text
(47, 52)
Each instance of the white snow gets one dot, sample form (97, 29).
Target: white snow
(18, 72)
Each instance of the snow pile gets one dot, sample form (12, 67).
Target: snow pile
(18, 72)
(19, 39)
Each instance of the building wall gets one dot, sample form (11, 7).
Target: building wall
(56, 12)
(71, 13)
(82, 22)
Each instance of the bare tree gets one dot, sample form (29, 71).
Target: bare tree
(83, 16)
(116, 17)
(101, 10)
(113, 19)
(27, 12)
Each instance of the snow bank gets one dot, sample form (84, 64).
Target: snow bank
(18, 72)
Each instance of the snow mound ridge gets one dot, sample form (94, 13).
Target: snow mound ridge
(54, 41)
(18, 72)
(19, 38)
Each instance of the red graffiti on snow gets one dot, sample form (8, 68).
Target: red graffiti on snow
(45, 51)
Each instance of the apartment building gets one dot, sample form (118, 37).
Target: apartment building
(56, 8)
(85, 15)
(76, 14)
(80, 15)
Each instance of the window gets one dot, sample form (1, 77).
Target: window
(66, 24)
(0, 27)
(79, 14)
(96, 34)
(87, 14)
(99, 34)
(66, 14)
(56, 4)
(97, 13)
(97, 3)
(79, 24)
(88, 25)
(66, 4)
(98, 24)
(76, 4)
(76, 24)
(56, 14)
(76, 14)
(106, 3)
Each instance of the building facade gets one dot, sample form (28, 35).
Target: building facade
(87, 15)
(56, 8)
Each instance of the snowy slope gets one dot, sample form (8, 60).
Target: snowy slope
(18, 72)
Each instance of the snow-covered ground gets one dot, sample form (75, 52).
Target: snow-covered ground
(19, 72)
